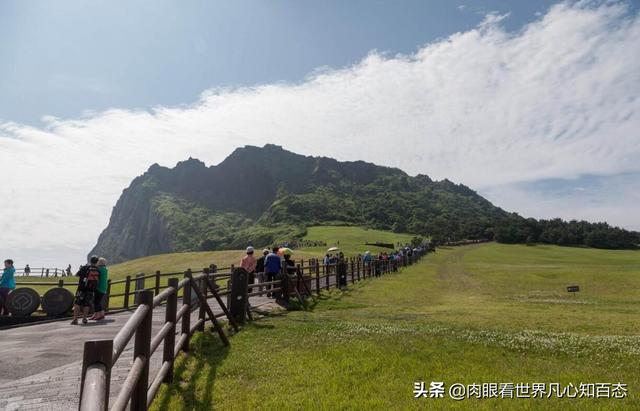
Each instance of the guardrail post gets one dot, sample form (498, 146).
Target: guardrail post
(139, 287)
(233, 267)
(142, 348)
(95, 395)
(203, 289)
(285, 285)
(106, 303)
(60, 283)
(170, 339)
(353, 278)
(213, 269)
(239, 300)
(186, 318)
(157, 282)
(317, 276)
(127, 291)
(325, 268)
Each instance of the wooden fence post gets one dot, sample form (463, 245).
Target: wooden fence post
(139, 286)
(233, 267)
(170, 339)
(96, 354)
(203, 289)
(239, 299)
(353, 278)
(106, 304)
(326, 274)
(157, 282)
(317, 276)
(186, 318)
(285, 285)
(142, 348)
(127, 290)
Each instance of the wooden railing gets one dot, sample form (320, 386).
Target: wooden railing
(43, 272)
(300, 281)
(101, 355)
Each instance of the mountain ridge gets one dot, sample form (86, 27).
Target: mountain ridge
(262, 195)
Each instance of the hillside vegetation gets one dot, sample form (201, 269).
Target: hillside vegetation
(269, 195)
(488, 313)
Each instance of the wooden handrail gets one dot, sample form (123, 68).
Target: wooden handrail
(127, 331)
(99, 356)
(93, 396)
(129, 384)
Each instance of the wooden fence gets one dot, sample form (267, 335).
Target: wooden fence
(138, 390)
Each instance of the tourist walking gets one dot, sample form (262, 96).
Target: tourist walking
(248, 262)
(260, 268)
(88, 278)
(101, 290)
(27, 270)
(7, 283)
(272, 266)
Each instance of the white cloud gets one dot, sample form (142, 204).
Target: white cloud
(488, 108)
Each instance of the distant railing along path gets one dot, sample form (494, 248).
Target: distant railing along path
(42, 272)
(139, 387)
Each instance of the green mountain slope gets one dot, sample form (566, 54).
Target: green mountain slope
(264, 195)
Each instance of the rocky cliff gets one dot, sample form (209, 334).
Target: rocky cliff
(262, 195)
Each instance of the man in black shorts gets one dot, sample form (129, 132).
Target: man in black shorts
(87, 284)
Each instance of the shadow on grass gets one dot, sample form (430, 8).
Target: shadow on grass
(195, 374)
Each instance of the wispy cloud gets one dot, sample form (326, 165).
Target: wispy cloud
(486, 107)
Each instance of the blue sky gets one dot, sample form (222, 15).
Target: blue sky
(536, 105)
(62, 58)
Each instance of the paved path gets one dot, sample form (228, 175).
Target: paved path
(40, 364)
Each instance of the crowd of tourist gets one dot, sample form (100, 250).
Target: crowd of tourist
(93, 277)
(274, 261)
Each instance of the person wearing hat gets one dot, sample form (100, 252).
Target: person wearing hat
(248, 262)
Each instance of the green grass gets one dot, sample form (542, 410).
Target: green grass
(350, 239)
(487, 313)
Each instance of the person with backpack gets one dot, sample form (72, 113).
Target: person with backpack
(88, 278)
(101, 290)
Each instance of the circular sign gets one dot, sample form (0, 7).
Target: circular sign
(57, 301)
(23, 302)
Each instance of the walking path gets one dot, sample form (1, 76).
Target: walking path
(40, 364)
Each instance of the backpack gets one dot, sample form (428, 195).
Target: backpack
(93, 275)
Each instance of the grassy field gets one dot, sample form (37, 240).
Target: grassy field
(478, 314)
(350, 239)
